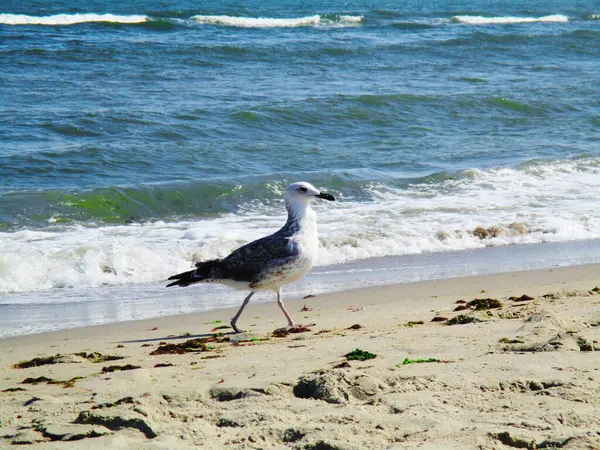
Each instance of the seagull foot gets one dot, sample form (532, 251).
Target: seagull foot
(235, 328)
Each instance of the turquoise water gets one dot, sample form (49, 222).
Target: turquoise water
(136, 138)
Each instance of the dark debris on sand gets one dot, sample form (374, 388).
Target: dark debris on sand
(439, 319)
(121, 401)
(110, 369)
(485, 303)
(37, 380)
(359, 355)
(97, 357)
(64, 383)
(461, 319)
(35, 362)
(93, 357)
(192, 345)
(14, 389)
(282, 332)
(461, 308)
(522, 298)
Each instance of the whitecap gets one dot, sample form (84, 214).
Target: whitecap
(68, 19)
(480, 20)
(267, 22)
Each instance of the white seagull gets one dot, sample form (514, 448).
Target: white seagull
(272, 261)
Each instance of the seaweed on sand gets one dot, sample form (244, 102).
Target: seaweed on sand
(36, 362)
(485, 303)
(461, 319)
(64, 383)
(110, 369)
(417, 361)
(191, 345)
(96, 357)
(359, 355)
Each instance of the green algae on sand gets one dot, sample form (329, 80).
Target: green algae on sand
(359, 355)
(417, 361)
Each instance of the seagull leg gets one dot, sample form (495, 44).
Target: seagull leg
(239, 313)
(285, 313)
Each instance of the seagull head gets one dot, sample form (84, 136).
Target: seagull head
(303, 192)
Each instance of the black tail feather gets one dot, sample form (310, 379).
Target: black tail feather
(183, 279)
(202, 272)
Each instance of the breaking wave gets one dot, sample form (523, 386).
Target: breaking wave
(223, 20)
(480, 20)
(330, 20)
(267, 22)
(539, 201)
(68, 19)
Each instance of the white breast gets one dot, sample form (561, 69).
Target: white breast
(307, 245)
(307, 237)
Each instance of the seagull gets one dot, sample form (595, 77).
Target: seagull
(271, 262)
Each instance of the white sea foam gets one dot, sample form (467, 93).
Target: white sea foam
(480, 20)
(351, 19)
(266, 22)
(554, 201)
(68, 19)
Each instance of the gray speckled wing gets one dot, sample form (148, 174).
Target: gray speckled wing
(255, 260)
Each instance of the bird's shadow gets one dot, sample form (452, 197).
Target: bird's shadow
(173, 338)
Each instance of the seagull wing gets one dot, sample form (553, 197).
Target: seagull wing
(249, 262)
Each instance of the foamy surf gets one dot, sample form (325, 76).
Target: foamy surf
(480, 20)
(68, 19)
(541, 201)
(266, 22)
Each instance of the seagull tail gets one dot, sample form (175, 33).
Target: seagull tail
(202, 272)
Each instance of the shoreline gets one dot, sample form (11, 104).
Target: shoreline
(411, 291)
(524, 372)
(33, 313)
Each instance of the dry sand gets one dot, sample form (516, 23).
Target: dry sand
(523, 375)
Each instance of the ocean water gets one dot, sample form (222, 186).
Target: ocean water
(138, 138)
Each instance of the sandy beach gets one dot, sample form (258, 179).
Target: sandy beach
(437, 368)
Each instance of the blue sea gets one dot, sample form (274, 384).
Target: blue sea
(139, 137)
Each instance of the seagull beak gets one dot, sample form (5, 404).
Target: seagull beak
(325, 196)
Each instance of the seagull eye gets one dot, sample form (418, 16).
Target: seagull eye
(303, 189)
